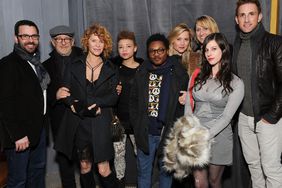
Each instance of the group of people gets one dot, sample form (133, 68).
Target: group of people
(79, 91)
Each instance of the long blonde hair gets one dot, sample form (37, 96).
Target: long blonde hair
(174, 33)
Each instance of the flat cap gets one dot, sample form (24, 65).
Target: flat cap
(61, 30)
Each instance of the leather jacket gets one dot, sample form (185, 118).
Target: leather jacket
(266, 74)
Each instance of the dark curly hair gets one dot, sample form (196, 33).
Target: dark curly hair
(224, 75)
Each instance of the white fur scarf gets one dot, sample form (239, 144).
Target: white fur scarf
(187, 146)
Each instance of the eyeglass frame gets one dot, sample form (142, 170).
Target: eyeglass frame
(60, 40)
(159, 51)
(27, 37)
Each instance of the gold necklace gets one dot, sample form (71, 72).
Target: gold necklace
(88, 65)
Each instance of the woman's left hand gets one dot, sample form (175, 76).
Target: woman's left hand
(119, 88)
(182, 97)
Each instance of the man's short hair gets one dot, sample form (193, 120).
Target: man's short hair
(242, 2)
(24, 22)
(157, 37)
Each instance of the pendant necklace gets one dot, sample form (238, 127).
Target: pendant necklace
(92, 68)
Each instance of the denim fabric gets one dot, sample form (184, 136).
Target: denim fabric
(27, 168)
(145, 166)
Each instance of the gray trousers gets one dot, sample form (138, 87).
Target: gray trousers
(262, 150)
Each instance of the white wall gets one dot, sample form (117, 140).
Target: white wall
(45, 13)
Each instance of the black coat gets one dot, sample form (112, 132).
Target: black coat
(55, 65)
(21, 102)
(138, 104)
(105, 97)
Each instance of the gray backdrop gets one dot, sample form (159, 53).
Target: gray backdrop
(144, 17)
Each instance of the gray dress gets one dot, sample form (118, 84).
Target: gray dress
(215, 111)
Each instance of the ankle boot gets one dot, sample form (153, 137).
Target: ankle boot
(87, 180)
(110, 181)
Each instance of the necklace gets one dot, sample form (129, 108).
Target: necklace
(88, 65)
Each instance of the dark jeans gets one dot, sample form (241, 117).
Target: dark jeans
(145, 166)
(27, 168)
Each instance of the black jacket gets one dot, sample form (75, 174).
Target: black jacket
(105, 97)
(138, 104)
(55, 66)
(266, 74)
(21, 102)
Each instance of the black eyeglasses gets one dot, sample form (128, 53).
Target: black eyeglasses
(27, 37)
(159, 51)
(60, 40)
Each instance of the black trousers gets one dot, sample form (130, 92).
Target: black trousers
(67, 170)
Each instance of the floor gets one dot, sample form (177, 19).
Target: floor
(53, 181)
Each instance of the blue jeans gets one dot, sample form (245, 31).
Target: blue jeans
(27, 168)
(145, 166)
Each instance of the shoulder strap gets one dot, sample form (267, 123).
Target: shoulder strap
(192, 82)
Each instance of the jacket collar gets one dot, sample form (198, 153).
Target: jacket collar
(79, 71)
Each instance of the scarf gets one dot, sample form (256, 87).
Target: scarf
(34, 59)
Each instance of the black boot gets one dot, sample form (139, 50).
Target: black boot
(110, 181)
(87, 180)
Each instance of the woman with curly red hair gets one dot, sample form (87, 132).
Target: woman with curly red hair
(89, 89)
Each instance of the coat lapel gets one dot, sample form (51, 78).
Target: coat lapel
(29, 70)
(144, 82)
(105, 73)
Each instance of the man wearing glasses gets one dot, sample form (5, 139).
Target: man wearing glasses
(23, 82)
(154, 106)
(64, 52)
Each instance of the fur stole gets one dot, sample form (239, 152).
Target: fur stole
(187, 146)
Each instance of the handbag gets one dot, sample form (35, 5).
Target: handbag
(116, 128)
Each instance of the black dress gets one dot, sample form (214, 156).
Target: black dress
(92, 130)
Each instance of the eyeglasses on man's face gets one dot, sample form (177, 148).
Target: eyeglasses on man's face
(27, 37)
(61, 40)
(159, 51)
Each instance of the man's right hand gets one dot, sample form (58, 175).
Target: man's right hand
(62, 92)
(22, 144)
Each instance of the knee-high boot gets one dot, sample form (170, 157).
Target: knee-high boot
(110, 181)
(87, 180)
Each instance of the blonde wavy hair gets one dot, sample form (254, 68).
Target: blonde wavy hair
(103, 35)
(172, 36)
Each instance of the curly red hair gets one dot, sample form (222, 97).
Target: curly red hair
(103, 35)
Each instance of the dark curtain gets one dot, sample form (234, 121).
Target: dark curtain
(146, 17)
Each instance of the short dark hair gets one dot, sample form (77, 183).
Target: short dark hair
(242, 2)
(24, 22)
(157, 37)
